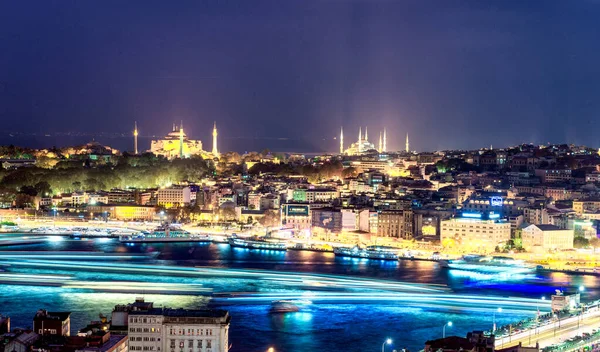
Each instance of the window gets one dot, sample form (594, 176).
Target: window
(208, 343)
(199, 344)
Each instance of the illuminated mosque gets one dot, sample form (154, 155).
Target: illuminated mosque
(176, 144)
(362, 145)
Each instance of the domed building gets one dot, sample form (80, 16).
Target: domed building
(361, 146)
(176, 145)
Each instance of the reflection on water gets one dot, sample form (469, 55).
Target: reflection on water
(321, 326)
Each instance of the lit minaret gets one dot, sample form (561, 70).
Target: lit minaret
(407, 145)
(181, 140)
(360, 139)
(215, 151)
(366, 134)
(342, 140)
(380, 143)
(135, 134)
(384, 140)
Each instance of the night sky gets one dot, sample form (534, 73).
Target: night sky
(453, 74)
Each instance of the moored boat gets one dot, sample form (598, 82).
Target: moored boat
(489, 264)
(257, 243)
(165, 234)
(371, 252)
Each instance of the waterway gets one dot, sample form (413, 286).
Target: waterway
(343, 316)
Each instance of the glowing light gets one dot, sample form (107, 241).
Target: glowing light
(449, 323)
(471, 215)
(388, 341)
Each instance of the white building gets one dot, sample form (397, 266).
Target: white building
(474, 234)
(546, 238)
(176, 330)
(321, 195)
(174, 196)
(270, 201)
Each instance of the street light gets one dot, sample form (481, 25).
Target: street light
(499, 310)
(271, 349)
(444, 329)
(387, 341)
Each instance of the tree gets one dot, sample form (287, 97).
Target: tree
(595, 242)
(28, 190)
(227, 213)
(43, 188)
(581, 242)
(270, 218)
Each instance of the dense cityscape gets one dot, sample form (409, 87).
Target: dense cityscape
(299, 176)
(490, 215)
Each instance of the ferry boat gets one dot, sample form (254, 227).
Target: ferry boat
(257, 243)
(165, 234)
(283, 307)
(489, 264)
(371, 252)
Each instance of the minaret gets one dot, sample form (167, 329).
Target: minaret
(407, 145)
(366, 134)
(135, 135)
(215, 151)
(181, 140)
(360, 139)
(342, 140)
(384, 149)
(380, 143)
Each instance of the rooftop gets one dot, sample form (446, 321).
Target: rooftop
(180, 312)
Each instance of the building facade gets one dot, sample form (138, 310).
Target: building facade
(174, 197)
(176, 330)
(474, 234)
(546, 238)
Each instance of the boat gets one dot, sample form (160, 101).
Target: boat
(283, 306)
(371, 252)
(257, 243)
(165, 234)
(488, 264)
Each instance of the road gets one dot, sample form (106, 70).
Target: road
(553, 333)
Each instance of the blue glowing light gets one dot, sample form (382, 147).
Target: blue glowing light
(471, 215)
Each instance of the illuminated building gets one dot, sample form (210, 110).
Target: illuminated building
(296, 216)
(327, 219)
(176, 145)
(546, 238)
(174, 197)
(586, 206)
(395, 223)
(317, 195)
(362, 145)
(124, 212)
(472, 232)
(171, 330)
(135, 139)
(553, 175)
(215, 150)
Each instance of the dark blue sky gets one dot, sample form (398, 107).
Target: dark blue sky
(450, 73)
